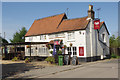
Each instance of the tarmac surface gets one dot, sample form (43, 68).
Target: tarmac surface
(98, 69)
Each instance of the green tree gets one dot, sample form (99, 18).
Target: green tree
(3, 40)
(111, 40)
(114, 42)
(19, 36)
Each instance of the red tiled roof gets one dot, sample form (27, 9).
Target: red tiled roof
(101, 23)
(73, 24)
(45, 25)
(56, 24)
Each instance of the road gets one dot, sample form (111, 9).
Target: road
(98, 69)
(105, 69)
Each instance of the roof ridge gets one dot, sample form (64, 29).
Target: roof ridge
(76, 18)
(50, 16)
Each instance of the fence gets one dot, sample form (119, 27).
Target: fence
(115, 51)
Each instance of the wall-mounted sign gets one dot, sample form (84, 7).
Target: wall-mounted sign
(81, 51)
(97, 24)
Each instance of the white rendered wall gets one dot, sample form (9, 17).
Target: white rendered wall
(79, 41)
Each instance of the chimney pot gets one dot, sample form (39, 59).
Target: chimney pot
(91, 12)
(90, 7)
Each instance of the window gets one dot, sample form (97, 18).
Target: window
(30, 38)
(29, 50)
(74, 51)
(103, 37)
(43, 50)
(42, 37)
(51, 36)
(69, 50)
(56, 35)
(71, 36)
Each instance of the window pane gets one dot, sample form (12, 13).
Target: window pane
(68, 48)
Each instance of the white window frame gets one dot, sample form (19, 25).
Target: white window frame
(71, 35)
(104, 37)
(74, 50)
(30, 38)
(43, 50)
(42, 37)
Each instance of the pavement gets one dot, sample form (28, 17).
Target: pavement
(98, 69)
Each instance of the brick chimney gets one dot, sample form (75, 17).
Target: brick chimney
(91, 12)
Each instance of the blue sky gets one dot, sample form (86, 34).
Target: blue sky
(15, 15)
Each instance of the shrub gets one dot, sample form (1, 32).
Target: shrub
(118, 57)
(50, 59)
(113, 56)
(51, 52)
(48, 46)
(15, 59)
(27, 60)
(59, 52)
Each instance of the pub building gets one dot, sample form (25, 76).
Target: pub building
(86, 38)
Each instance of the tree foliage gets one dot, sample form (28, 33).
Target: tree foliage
(19, 36)
(114, 42)
(3, 40)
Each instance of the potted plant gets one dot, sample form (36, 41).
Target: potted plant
(59, 52)
(65, 46)
(28, 46)
(71, 44)
(48, 46)
(51, 52)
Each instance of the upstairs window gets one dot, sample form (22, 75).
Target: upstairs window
(42, 37)
(103, 37)
(71, 36)
(30, 38)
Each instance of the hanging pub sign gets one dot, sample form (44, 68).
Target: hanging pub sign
(56, 42)
(81, 51)
(97, 24)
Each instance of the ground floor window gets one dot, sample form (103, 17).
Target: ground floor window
(29, 50)
(72, 50)
(69, 50)
(43, 50)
